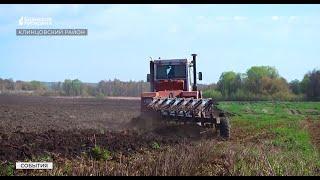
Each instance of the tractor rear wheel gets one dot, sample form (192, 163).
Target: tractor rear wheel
(224, 127)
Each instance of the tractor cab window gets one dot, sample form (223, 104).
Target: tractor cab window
(171, 71)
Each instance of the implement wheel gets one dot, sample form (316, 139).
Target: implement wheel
(224, 127)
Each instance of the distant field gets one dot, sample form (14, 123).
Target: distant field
(93, 136)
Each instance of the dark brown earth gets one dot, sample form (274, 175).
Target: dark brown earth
(38, 126)
(313, 127)
(40, 114)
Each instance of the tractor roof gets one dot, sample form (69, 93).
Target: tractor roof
(171, 61)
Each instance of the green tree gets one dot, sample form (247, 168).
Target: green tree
(304, 83)
(295, 86)
(255, 75)
(72, 87)
(311, 85)
(229, 82)
(67, 87)
(76, 87)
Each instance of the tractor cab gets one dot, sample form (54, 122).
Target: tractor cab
(173, 75)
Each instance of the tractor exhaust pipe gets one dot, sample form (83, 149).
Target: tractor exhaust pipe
(152, 76)
(194, 62)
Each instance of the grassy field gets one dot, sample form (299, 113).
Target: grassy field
(286, 137)
(268, 138)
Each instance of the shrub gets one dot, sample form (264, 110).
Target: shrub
(212, 93)
(7, 170)
(155, 145)
(99, 153)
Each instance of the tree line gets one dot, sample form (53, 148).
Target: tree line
(8, 85)
(257, 83)
(264, 83)
(76, 88)
(103, 88)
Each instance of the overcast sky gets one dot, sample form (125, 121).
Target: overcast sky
(122, 38)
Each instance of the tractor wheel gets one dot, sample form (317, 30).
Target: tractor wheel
(224, 127)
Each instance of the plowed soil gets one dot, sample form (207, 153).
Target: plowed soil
(313, 127)
(36, 126)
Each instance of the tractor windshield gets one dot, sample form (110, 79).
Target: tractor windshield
(171, 71)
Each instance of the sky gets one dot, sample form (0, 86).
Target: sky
(122, 38)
